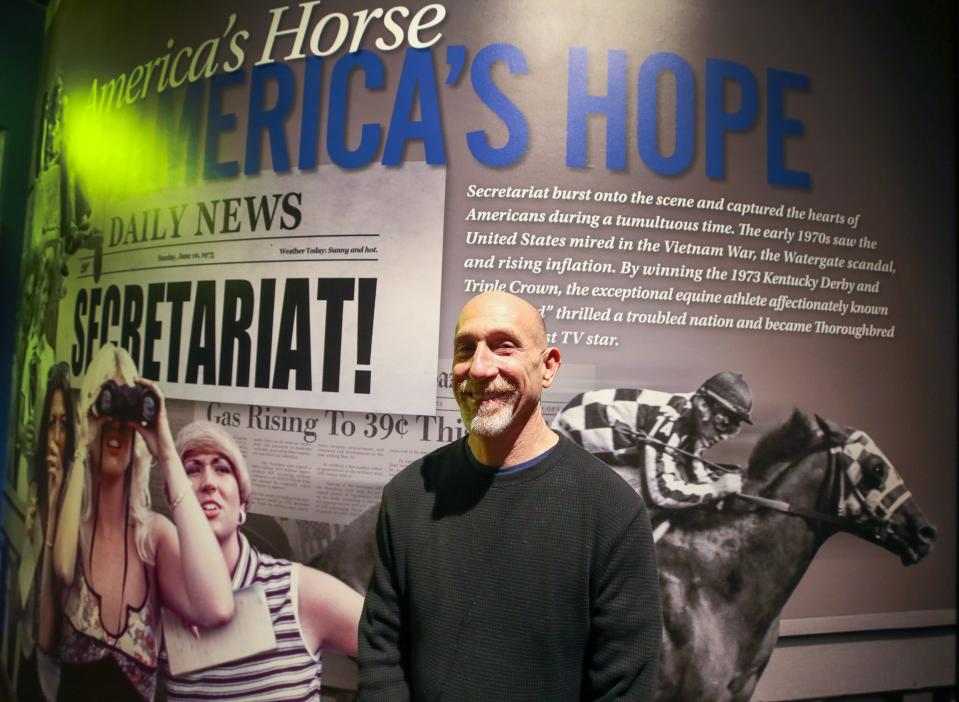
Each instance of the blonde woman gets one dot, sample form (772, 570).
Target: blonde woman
(114, 558)
(311, 611)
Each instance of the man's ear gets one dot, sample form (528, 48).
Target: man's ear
(551, 362)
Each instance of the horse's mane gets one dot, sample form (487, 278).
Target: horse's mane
(785, 441)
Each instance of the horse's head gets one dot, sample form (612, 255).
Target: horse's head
(873, 495)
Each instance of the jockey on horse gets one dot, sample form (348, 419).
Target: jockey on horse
(662, 436)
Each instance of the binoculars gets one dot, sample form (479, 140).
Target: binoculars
(135, 403)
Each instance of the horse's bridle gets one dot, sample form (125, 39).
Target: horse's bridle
(840, 474)
(880, 515)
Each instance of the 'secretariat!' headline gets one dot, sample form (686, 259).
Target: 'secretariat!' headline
(236, 333)
(193, 84)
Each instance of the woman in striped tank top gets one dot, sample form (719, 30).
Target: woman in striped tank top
(310, 609)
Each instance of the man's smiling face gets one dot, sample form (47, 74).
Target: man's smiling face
(498, 363)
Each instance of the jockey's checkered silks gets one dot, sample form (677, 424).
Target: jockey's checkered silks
(670, 479)
(590, 417)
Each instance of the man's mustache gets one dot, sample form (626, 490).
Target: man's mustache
(494, 387)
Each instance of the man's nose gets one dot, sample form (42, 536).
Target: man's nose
(483, 364)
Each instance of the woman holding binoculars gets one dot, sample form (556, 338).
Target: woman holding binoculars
(114, 558)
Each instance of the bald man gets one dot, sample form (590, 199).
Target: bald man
(511, 565)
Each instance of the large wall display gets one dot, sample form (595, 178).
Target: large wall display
(278, 210)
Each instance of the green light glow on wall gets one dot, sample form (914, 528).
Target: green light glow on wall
(115, 153)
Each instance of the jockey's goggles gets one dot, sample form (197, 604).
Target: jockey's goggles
(724, 422)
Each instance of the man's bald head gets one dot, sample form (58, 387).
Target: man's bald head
(506, 305)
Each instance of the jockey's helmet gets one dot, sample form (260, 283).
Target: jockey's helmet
(731, 392)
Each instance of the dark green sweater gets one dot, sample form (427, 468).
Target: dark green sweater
(539, 585)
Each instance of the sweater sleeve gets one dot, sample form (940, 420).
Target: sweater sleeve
(622, 658)
(381, 658)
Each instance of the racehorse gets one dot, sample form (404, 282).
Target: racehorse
(725, 575)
